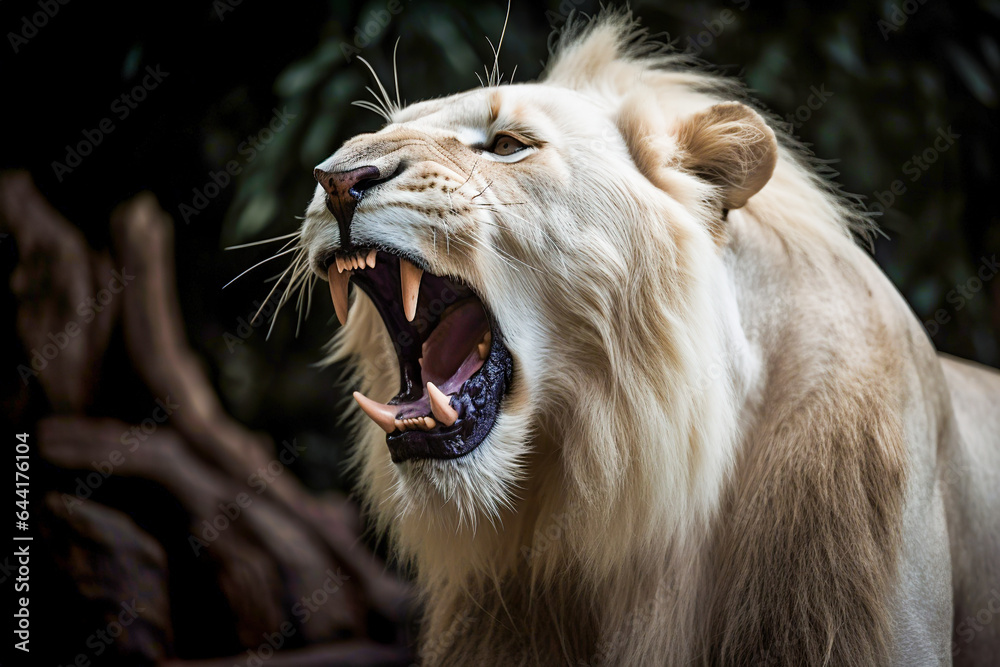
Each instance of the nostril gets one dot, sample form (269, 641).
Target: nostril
(359, 188)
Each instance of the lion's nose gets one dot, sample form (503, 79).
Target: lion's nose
(343, 192)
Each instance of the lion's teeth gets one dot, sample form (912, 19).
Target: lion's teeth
(409, 282)
(411, 423)
(380, 413)
(370, 260)
(340, 264)
(484, 346)
(338, 291)
(445, 414)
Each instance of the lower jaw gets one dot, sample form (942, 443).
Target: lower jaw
(478, 403)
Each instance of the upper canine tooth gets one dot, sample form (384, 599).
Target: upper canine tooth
(409, 282)
(445, 414)
(340, 265)
(380, 413)
(370, 260)
(338, 290)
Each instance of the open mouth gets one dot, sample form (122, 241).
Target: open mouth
(454, 368)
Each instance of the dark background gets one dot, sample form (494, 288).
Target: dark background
(891, 85)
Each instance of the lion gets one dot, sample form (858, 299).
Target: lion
(632, 393)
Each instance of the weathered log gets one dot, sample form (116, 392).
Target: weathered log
(57, 283)
(231, 561)
(119, 569)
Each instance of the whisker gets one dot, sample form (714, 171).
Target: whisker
(385, 95)
(481, 192)
(276, 256)
(496, 51)
(364, 104)
(293, 280)
(381, 102)
(503, 254)
(270, 240)
(312, 287)
(395, 73)
(485, 246)
(473, 171)
(271, 293)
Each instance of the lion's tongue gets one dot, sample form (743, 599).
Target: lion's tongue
(452, 343)
(451, 354)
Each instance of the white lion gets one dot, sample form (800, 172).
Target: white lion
(638, 397)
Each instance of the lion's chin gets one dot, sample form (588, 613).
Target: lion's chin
(454, 367)
(450, 495)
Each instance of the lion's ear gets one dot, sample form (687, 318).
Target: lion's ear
(730, 146)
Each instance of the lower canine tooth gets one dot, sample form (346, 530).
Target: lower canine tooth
(409, 283)
(484, 346)
(380, 413)
(445, 414)
(338, 291)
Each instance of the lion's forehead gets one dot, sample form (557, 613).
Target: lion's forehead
(471, 114)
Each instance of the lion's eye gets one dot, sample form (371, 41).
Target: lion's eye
(506, 145)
